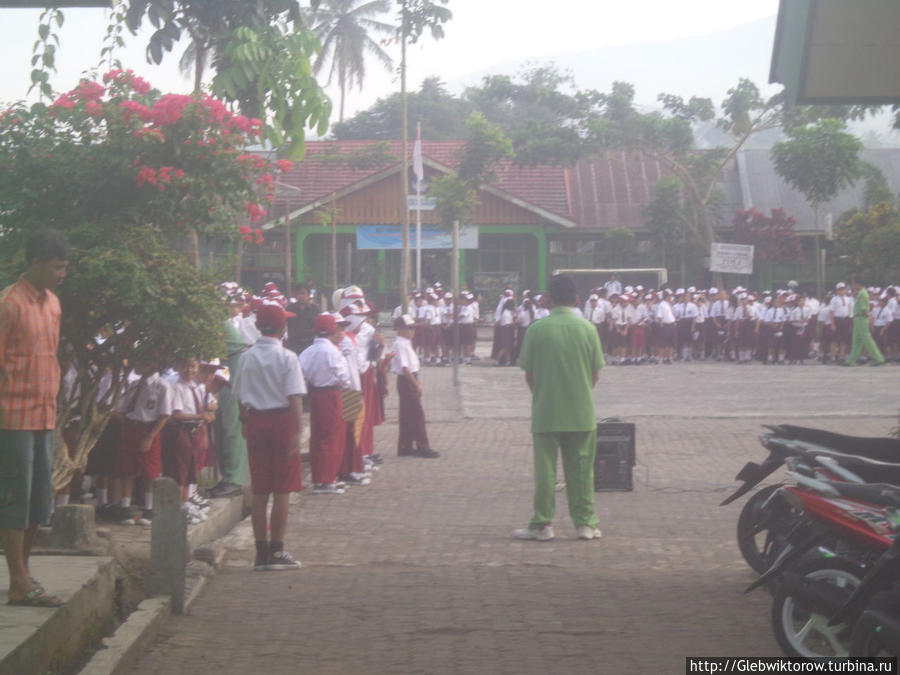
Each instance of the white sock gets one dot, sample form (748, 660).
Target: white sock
(186, 506)
(192, 490)
(148, 501)
(126, 502)
(102, 496)
(62, 499)
(86, 483)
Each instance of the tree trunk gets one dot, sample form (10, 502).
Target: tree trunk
(194, 240)
(334, 272)
(287, 248)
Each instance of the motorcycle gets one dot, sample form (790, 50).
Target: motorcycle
(766, 518)
(839, 535)
(873, 608)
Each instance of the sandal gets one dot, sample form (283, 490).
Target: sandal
(36, 598)
(37, 584)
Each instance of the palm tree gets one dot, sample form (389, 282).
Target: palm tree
(345, 28)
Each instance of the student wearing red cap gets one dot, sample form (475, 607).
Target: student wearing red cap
(268, 383)
(326, 374)
(411, 416)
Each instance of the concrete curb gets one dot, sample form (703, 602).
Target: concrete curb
(120, 651)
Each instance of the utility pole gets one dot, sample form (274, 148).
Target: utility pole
(404, 162)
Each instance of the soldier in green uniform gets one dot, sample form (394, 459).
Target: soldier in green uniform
(862, 332)
(562, 358)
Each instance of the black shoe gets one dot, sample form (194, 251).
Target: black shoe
(282, 560)
(428, 453)
(406, 452)
(225, 490)
(375, 458)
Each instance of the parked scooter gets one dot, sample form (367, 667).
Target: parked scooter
(841, 530)
(766, 518)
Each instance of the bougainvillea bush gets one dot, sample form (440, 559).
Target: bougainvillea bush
(123, 171)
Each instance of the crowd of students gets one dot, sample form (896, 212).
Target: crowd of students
(284, 356)
(640, 325)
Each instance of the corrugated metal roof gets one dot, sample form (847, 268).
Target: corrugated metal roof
(762, 188)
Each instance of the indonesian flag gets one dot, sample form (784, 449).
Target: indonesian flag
(417, 156)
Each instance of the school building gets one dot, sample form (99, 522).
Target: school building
(530, 221)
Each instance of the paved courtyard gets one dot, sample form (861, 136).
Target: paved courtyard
(418, 572)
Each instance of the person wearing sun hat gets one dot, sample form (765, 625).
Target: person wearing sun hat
(268, 382)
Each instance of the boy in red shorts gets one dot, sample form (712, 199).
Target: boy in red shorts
(268, 383)
(145, 409)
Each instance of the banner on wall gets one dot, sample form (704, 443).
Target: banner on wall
(390, 237)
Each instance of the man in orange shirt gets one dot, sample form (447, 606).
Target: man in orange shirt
(29, 384)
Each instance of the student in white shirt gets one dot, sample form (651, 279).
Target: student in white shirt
(842, 317)
(667, 327)
(327, 373)
(412, 440)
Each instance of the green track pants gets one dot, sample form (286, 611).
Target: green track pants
(578, 449)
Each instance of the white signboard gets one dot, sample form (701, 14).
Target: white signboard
(731, 258)
(428, 203)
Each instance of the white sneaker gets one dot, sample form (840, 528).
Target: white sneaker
(543, 534)
(328, 489)
(198, 513)
(586, 532)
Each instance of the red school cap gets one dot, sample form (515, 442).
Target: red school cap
(272, 316)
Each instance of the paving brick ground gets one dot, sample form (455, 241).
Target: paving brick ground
(418, 573)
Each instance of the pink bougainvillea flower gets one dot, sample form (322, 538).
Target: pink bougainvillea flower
(63, 102)
(285, 165)
(112, 74)
(89, 91)
(94, 108)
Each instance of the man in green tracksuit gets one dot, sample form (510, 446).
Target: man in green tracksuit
(231, 448)
(862, 332)
(562, 357)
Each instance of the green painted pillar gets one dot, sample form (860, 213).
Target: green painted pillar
(462, 268)
(541, 236)
(382, 271)
(300, 234)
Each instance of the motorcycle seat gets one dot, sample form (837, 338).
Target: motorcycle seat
(883, 449)
(881, 494)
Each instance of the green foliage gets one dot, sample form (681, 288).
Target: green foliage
(665, 218)
(443, 116)
(819, 160)
(417, 16)
(456, 195)
(876, 186)
(43, 61)
(123, 171)
(267, 71)
(366, 158)
(871, 242)
(262, 53)
(345, 30)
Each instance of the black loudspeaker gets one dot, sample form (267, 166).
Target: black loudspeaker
(615, 456)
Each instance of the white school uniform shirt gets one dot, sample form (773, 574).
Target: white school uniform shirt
(436, 316)
(882, 315)
(598, 316)
(404, 356)
(525, 316)
(154, 400)
(506, 317)
(353, 358)
(678, 310)
(541, 312)
(894, 308)
(324, 365)
(618, 316)
(664, 312)
(184, 400)
(633, 315)
(739, 313)
(690, 311)
(825, 314)
(841, 307)
(466, 314)
(248, 329)
(476, 309)
(363, 340)
(717, 310)
(266, 374)
(577, 312)
(613, 287)
(812, 305)
(499, 309)
(703, 312)
(425, 313)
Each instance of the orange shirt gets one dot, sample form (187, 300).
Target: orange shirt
(29, 366)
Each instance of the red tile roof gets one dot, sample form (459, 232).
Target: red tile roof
(600, 192)
(318, 177)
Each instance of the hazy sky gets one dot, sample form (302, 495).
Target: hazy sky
(482, 33)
